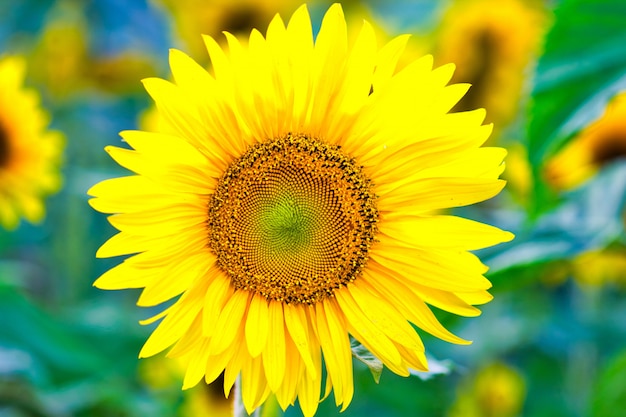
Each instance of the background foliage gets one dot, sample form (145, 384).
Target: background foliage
(552, 343)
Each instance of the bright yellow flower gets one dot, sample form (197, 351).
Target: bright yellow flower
(29, 154)
(291, 206)
(492, 42)
(600, 143)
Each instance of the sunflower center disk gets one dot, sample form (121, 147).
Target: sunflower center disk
(292, 220)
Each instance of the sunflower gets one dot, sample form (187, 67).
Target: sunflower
(600, 143)
(384, 30)
(496, 390)
(598, 267)
(492, 42)
(518, 173)
(29, 155)
(59, 56)
(238, 17)
(161, 376)
(290, 207)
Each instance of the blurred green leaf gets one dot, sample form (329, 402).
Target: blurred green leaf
(609, 397)
(26, 327)
(591, 218)
(583, 66)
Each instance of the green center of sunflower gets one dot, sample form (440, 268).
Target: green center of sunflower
(292, 220)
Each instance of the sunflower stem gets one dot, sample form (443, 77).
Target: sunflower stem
(238, 408)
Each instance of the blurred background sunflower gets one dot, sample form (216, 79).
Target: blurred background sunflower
(30, 156)
(551, 343)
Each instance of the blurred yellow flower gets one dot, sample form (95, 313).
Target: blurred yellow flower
(62, 62)
(29, 154)
(492, 42)
(497, 390)
(58, 60)
(600, 267)
(357, 11)
(119, 73)
(211, 17)
(518, 173)
(163, 376)
(600, 143)
(290, 206)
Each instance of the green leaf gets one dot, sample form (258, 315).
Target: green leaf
(375, 365)
(364, 355)
(609, 396)
(589, 219)
(582, 67)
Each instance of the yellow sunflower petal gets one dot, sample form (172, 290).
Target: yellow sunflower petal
(118, 278)
(176, 323)
(218, 292)
(274, 352)
(387, 60)
(197, 363)
(438, 193)
(333, 327)
(388, 319)
(215, 366)
(426, 268)
(178, 278)
(443, 231)
(309, 387)
(122, 244)
(368, 333)
(416, 311)
(287, 392)
(257, 325)
(177, 110)
(297, 323)
(225, 331)
(190, 343)
(254, 388)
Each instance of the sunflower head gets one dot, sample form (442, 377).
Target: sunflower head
(29, 154)
(238, 17)
(600, 267)
(600, 143)
(59, 58)
(492, 42)
(290, 201)
(497, 390)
